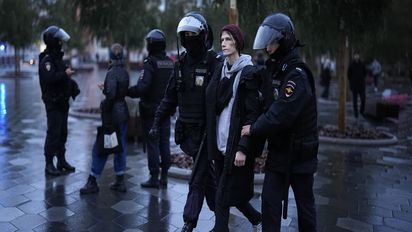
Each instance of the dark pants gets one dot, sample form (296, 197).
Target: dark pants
(157, 148)
(273, 187)
(375, 80)
(325, 93)
(222, 210)
(202, 185)
(355, 95)
(56, 130)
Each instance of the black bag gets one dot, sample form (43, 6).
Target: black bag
(108, 141)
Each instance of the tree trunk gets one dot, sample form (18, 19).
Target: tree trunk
(342, 73)
(16, 61)
(233, 13)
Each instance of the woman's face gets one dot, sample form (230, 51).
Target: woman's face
(272, 47)
(228, 44)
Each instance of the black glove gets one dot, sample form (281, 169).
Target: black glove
(154, 132)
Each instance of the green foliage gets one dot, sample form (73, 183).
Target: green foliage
(18, 21)
(319, 22)
(121, 21)
(50, 13)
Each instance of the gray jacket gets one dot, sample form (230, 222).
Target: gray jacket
(114, 107)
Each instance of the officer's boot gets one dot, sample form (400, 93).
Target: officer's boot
(62, 164)
(90, 187)
(153, 181)
(50, 169)
(118, 185)
(188, 227)
(163, 178)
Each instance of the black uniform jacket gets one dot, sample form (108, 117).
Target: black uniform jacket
(54, 82)
(152, 83)
(238, 180)
(290, 122)
(114, 107)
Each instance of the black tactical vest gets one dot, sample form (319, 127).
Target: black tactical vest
(163, 68)
(54, 92)
(191, 87)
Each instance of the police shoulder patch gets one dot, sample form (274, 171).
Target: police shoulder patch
(290, 88)
(47, 65)
(141, 75)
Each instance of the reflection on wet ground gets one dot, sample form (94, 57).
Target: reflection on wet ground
(357, 189)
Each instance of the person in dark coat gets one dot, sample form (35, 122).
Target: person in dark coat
(233, 101)
(56, 87)
(186, 89)
(289, 124)
(326, 76)
(150, 88)
(114, 114)
(357, 77)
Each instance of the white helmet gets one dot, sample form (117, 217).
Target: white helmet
(193, 22)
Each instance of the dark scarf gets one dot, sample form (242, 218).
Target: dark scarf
(224, 92)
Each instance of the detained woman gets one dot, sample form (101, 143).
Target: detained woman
(232, 101)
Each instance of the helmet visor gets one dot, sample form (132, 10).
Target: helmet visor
(62, 35)
(191, 24)
(265, 36)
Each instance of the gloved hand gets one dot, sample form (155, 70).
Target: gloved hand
(154, 132)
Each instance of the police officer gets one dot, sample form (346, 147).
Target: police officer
(56, 87)
(186, 89)
(150, 88)
(289, 124)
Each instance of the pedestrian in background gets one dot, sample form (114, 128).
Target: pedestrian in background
(114, 114)
(232, 102)
(290, 126)
(56, 87)
(150, 88)
(326, 76)
(376, 71)
(357, 78)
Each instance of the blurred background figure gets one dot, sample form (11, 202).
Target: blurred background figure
(357, 78)
(376, 71)
(326, 76)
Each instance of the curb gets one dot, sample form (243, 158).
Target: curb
(361, 142)
(74, 113)
(181, 173)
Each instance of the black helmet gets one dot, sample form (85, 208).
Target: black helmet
(156, 41)
(196, 23)
(155, 35)
(116, 52)
(53, 37)
(276, 28)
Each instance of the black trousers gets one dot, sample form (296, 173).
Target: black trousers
(222, 210)
(56, 130)
(325, 93)
(203, 184)
(157, 148)
(273, 187)
(355, 95)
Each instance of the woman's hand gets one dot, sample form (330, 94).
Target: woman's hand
(100, 85)
(240, 159)
(245, 130)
